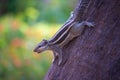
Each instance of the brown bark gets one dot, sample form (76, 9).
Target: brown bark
(95, 55)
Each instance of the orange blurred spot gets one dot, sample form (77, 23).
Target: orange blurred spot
(15, 24)
(1, 27)
(17, 42)
(16, 60)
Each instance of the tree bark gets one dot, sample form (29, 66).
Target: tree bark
(95, 55)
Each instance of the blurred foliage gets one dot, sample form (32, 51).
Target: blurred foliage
(23, 24)
(38, 10)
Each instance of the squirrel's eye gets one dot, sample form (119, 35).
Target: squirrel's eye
(39, 45)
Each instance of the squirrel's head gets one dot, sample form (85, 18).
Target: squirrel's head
(42, 46)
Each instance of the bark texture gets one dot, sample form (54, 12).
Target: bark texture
(95, 55)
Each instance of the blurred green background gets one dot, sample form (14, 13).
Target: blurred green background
(23, 24)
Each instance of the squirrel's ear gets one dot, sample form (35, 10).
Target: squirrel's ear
(44, 40)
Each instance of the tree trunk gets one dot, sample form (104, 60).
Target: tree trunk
(95, 55)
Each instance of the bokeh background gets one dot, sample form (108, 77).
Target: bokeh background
(23, 24)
